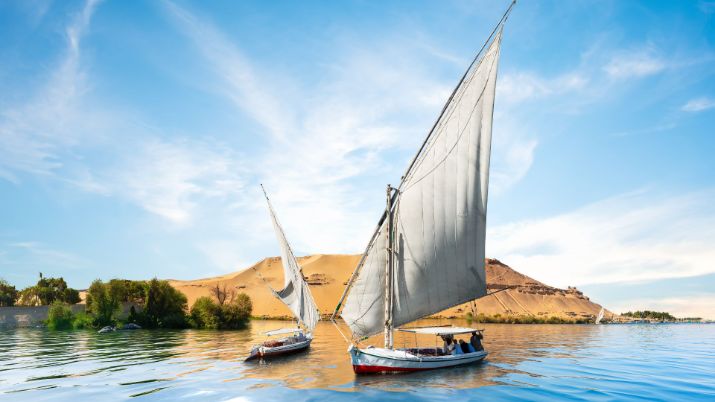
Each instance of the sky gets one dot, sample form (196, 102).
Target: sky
(134, 136)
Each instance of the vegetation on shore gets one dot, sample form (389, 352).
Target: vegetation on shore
(234, 314)
(154, 304)
(523, 319)
(657, 316)
(46, 292)
(8, 294)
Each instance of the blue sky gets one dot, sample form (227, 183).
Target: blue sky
(133, 136)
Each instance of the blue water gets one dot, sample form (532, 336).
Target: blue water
(526, 362)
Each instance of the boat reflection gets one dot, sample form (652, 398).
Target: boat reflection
(327, 363)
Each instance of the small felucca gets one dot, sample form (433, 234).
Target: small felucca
(296, 296)
(427, 252)
(600, 316)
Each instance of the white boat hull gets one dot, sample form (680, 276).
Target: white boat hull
(262, 351)
(379, 360)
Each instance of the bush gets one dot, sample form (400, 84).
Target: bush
(8, 294)
(59, 317)
(165, 306)
(237, 313)
(205, 313)
(82, 321)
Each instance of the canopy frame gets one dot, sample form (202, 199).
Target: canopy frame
(282, 331)
(440, 331)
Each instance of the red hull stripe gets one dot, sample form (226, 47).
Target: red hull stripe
(360, 369)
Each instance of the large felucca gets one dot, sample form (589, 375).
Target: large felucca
(296, 296)
(427, 252)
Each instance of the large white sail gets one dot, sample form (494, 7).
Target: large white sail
(295, 293)
(438, 218)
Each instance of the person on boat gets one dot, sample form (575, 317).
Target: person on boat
(463, 346)
(457, 350)
(476, 341)
(448, 345)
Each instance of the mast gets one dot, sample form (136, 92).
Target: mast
(388, 271)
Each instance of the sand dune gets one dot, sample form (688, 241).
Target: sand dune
(327, 275)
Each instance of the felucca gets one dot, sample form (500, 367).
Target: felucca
(427, 252)
(296, 296)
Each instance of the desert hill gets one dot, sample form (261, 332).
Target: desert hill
(327, 275)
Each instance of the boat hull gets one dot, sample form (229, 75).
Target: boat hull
(378, 360)
(265, 352)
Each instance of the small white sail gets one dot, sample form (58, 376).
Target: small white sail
(439, 216)
(600, 316)
(295, 293)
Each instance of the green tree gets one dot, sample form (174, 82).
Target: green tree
(100, 304)
(165, 306)
(59, 317)
(127, 291)
(8, 294)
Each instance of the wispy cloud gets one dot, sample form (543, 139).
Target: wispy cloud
(172, 178)
(515, 87)
(634, 64)
(633, 237)
(35, 134)
(27, 258)
(240, 81)
(698, 104)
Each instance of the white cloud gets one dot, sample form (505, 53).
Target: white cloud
(699, 104)
(634, 64)
(633, 237)
(515, 87)
(172, 179)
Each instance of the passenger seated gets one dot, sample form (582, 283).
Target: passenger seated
(463, 346)
(448, 345)
(457, 349)
(470, 348)
(476, 341)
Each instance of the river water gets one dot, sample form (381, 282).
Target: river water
(526, 362)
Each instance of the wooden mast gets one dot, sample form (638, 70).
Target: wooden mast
(388, 271)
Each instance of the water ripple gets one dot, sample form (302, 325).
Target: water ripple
(534, 362)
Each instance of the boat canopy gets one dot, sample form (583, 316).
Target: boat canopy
(282, 331)
(439, 331)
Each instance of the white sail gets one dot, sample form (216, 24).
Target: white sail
(600, 315)
(439, 215)
(295, 293)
